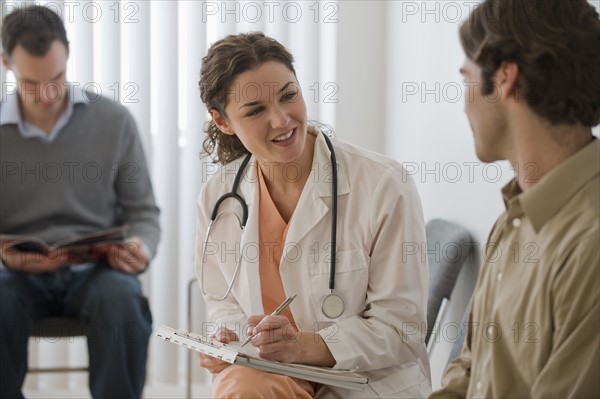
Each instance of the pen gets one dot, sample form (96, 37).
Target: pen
(275, 313)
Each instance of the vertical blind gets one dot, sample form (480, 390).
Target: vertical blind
(147, 56)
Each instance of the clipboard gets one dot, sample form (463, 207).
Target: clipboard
(248, 357)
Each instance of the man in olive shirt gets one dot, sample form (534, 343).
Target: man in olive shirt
(533, 82)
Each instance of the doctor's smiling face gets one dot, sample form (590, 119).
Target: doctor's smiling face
(266, 111)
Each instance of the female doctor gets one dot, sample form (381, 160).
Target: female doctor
(365, 311)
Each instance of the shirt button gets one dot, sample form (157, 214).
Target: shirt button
(499, 277)
(479, 385)
(516, 222)
(490, 331)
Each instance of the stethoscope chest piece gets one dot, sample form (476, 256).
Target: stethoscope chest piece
(332, 306)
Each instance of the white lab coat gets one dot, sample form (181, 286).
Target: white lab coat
(383, 283)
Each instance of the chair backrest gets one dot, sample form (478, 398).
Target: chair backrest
(448, 247)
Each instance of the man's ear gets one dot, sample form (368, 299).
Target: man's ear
(507, 78)
(220, 121)
(5, 60)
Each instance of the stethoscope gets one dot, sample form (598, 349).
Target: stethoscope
(333, 304)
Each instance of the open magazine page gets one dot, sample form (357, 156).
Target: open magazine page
(78, 246)
(114, 234)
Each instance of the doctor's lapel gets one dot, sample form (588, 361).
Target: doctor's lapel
(249, 283)
(317, 197)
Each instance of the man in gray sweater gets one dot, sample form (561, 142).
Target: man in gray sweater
(72, 163)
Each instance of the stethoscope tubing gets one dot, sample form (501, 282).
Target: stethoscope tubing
(334, 208)
(214, 216)
(233, 194)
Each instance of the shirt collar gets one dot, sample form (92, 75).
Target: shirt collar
(11, 114)
(545, 198)
(510, 191)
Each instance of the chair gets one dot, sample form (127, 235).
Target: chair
(58, 327)
(448, 247)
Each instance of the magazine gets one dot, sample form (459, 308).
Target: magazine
(77, 247)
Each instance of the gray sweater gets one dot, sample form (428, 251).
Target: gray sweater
(91, 177)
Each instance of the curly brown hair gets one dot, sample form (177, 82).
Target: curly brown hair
(555, 43)
(225, 60)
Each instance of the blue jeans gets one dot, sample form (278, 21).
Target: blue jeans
(111, 303)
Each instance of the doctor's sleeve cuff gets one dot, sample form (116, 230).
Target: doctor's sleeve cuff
(340, 347)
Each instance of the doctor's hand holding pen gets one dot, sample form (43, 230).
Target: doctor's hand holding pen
(276, 339)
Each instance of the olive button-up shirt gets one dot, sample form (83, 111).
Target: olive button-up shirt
(534, 328)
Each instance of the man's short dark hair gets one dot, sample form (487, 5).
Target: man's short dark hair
(556, 44)
(34, 28)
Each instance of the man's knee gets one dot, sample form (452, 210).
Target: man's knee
(119, 305)
(116, 291)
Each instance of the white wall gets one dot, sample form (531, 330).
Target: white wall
(425, 124)
(361, 73)
(401, 94)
